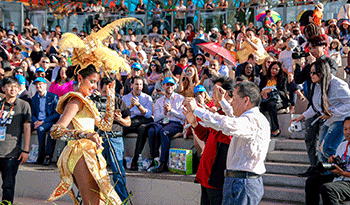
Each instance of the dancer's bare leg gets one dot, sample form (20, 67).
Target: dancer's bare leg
(88, 188)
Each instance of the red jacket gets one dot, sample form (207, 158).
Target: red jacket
(211, 137)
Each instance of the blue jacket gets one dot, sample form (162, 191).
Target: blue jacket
(50, 107)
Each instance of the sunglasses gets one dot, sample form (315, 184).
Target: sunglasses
(168, 61)
(158, 50)
(313, 73)
(153, 65)
(213, 65)
(197, 94)
(199, 59)
(20, 72)
(46, 62)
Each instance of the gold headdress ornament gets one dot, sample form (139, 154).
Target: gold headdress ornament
(91, 51)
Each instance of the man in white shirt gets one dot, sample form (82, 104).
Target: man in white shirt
(168, 121)
(180, 15)
(250, 132)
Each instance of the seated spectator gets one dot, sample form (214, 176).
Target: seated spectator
(250, 44)
(27, 24)
(224, 70)
(252, 58)
(265, 66)
(274, 94)
(188, 81)
(209, 76)
(23, 93)
(249, 72)
(183, 62)
(275, 48)
(136, 71)
(158, 89)
(169, 121)
(44, 115)
(40, 72)
(334, 51)
(140, 105)
(52, 50)
(159, 51)
(176, 70)
(37, 54)
(62, 84)
(112, 44)
(230, 46)
(55, 72)
(335, 187)
(154, 76)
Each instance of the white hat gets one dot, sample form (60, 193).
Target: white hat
(319, 6)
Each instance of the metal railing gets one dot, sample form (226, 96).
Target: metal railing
(208, 19)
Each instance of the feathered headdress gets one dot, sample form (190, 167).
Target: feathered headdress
(91, 51)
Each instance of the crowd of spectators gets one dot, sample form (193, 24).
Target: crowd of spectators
(166, 67)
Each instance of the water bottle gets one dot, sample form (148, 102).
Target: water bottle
(58, 153)
(139, 163)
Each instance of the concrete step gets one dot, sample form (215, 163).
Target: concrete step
(288, 144)
(268, 202)
(281, 180)
(284, 194)
(285, 168)
(288, 156)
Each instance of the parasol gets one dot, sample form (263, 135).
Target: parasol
(274, 16)
(216, 49)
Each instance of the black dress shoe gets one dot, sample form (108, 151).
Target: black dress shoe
(162, 168)
(133, 166)
(312, 170)
(47, 161)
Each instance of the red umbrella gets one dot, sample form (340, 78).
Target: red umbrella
(216, 49)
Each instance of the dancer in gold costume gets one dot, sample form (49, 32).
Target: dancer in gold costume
(81, 162)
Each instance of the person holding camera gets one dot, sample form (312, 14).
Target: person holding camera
(335, 187)
(121, 118)
(301, 74)
(329, 102)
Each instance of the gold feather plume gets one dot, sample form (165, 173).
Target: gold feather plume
(107, 30)
(91, 50)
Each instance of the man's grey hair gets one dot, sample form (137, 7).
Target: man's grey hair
(251, 90)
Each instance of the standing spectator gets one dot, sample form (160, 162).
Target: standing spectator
(121, 118)
(248, 148)
(240, 15)
(252, 9)
(122, 8)
(169, 8)
(334, 51)
(140, 105)
(62, 83)
(27, 24)
(209, 7)
(11, 153)
(180, 15)
(222, 6)
(45, 40)
(43, 117)
(157, 15)
(330, 102)
(169, 121)
(191, 12)
(188, 81)
(140, 7)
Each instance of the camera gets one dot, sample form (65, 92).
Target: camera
(206, 72)
(295, 127)
(101, 102)
(298, 53)
(325, 166)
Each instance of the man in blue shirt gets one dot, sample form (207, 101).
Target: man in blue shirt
(44, 115)
(140, 105)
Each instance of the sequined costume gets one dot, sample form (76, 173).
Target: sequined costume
(83, 123)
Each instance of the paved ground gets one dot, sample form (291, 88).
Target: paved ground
(30, 201)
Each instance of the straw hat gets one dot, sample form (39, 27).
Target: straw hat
(319, 6)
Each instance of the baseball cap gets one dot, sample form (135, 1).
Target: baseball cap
(21, 79)
(40, 69)
(136, 66)
(169, 80)
(39, 79)
(199, 88)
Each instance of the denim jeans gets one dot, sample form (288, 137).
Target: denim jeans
(8, 169)
(330, 138)
(118, 146)
(242, 191)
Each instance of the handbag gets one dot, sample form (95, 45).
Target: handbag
(273, 95)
